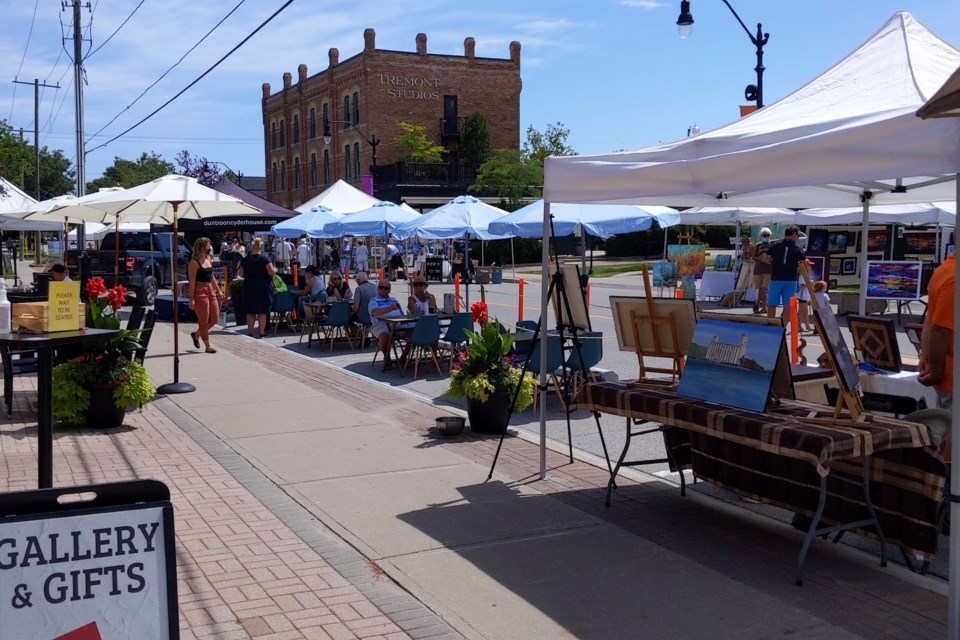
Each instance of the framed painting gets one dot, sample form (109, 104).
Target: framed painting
(664, 274)
(848, 266)
(837, 241)
(836, 349)
(877, 240)
(732, 363)
(782, 375)
(834, 266)
(875, 341)
(577, 315)
(920, 242)
(894, 280)
(816, 268)
(723, 262)
(691, 259)
(817, 241)
(644, 336)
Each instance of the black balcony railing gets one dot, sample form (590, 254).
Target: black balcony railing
(451, 128)
(402, 179)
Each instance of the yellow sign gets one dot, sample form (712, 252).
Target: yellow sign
(64, 310)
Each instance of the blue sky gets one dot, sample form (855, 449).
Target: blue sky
(614, 72)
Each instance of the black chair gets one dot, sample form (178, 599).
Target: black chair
(146, 331)
(136, 318)
(15, 361)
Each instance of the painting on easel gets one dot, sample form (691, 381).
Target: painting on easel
(654, 328)
(691, 259)
(836, 349)
(732, 363)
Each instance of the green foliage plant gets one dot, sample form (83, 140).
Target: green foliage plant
(412, 142)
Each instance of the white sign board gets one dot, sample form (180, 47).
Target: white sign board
(88, 575)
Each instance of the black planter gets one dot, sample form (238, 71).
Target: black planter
(490, 416)
(236, 298)
(102, 412)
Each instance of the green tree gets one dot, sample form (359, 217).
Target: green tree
(551, 142)
(18, 165)
(475, 142)
(130, 173)
(206, 172)
(510, 175)
(415, 146)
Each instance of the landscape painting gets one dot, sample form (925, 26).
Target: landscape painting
(691, 259)
(894, 280)
(877, 240)
(921, 242)
(732, 363)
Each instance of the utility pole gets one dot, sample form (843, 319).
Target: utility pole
(36, 125)
(78, 92)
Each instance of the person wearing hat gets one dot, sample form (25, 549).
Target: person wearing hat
(421, 302)
(761, 270)
(313, 290)
(58, 273)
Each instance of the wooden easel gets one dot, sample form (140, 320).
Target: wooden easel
(846, 400)
(658, 351)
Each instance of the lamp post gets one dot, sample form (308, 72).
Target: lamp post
(373, 141)
(753, 92)
(205, 169)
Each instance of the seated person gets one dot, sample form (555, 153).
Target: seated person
(313, 290)
(58, 273)
(337, 289)
(422, 301)
(383, 305)
(363, 294)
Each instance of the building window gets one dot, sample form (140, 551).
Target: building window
(356, 108)
(346, 162)
(276, 183)
(326, 166)
(313, 123)
(356, 159)
(283, 135)
(313, 169)
(346, 112)
(283, 175)
(296, 173)
(273, 135)
(326, 117)
(296, 128)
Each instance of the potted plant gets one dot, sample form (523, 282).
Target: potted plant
(486, 376)
(96, 386)
(236, 298)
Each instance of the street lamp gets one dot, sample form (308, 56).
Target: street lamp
(373, 141)
(753, 92)
(205, 169)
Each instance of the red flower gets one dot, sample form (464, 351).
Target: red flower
(95, 288)
(116, 296)
(478, 311)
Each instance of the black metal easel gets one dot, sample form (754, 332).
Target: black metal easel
(557, 286)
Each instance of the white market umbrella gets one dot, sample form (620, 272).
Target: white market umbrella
(309, 223)
(379, 220)
(161, 201)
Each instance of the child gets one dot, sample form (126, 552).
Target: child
(803, 298)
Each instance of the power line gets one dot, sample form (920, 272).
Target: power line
(89, 55)
(13, 100)
(204, 74)
(164, 74)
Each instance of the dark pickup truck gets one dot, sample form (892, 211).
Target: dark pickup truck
(143, 268)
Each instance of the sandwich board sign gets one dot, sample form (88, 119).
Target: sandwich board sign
(93, 562)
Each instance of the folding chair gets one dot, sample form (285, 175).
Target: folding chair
(146, 331)
(591, 348)
(422, 343)
(282, 309)
(455, 338)
(336, 323)
(136, 318)
(554, 362)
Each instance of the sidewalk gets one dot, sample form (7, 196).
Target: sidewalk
(313, 503)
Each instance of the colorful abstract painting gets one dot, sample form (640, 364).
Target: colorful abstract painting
(894, 280)
(691, 259)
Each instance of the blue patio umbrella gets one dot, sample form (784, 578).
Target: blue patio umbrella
(380, 220)
(305, 223)
(603, 220)
(462, 216)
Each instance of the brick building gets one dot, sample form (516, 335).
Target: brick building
(362, 99)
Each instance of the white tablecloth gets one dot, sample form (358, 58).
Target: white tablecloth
(898, 384)
(715, 283)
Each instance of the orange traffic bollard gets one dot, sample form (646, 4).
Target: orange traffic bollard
(588, 298)
(520, 302)
(379, 274)
(296, 275)
(456, 292)
(346, 275)
(794, 333)
(678, 294)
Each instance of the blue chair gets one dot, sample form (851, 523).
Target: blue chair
(422, 343)
(554, 362)
(591, 349)
(522, 349)
(365, 322)
(337, 321)
(455, 338)
(282, 309)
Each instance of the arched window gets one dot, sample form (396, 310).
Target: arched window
(276, 182)
(273, 135)
(283, 175)
(283, 135)
(356, 160)
(326, 166)
(296, 128)
(346, 112)
(326, 116)
(356, 108)
(313, 123)
(296, 172)
(346, 162)
(313, 169)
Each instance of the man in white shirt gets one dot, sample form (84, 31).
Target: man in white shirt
(383, 305)
(305, 253)
(361, 256)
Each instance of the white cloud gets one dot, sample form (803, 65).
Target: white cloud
(643, 4)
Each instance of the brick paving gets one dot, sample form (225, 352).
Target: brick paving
(252, 563)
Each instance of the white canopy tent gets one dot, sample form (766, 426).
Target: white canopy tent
(736, 215)
(340, 197)
(923, 213)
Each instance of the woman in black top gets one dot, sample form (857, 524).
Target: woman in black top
(204, 291)
(257, 272)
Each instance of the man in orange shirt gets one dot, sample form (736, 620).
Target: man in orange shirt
(936, 341)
